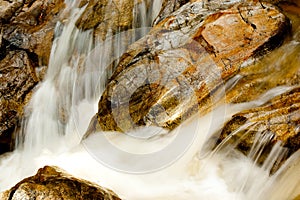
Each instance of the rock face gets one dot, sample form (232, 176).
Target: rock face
(107, 17)
(165, 77)
(168, 7)
(279, 119)
(52, 183)
(17, 79)
(279, 68)
(29, 25)
(26, 34)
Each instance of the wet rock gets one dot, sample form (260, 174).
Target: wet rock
(278, 120)
(53, 183)
(279, 68)
(30, 25)
(26, 34)
(17, 79)
(107, 17)
(165, 77)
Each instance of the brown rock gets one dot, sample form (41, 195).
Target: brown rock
(165, 77)
(30, 26)
(52, 183)
(26, 34)
(107, 17)
(17, 78)
(280, 117)
(279, 68)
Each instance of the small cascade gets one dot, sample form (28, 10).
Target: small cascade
(64, 103)
(50, 107)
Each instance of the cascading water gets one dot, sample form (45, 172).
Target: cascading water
(63, 104)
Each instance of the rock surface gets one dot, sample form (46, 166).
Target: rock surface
(17, 79)
(165, 77)
(168, 7)
(29, 25)
(280, 118)
(52, 183)
(26, 34)
(279, 68)
(107, 17)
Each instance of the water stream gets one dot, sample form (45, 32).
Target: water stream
(63, 104)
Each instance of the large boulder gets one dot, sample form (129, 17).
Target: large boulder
(165, 77)
(279, 68)
(52, 183)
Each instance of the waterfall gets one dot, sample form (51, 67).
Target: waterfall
(65, 101)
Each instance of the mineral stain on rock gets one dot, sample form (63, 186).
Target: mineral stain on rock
(165, 77)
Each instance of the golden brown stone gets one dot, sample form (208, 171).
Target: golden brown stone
(52, 183)
(17, 78)
(31, 26)
(107, 17)
(279, 68)
(163, 78)
(280, 117)
(26, 35)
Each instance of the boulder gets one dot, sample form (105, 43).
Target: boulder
(52, 183)
(165, 77)
(278, 120)
(278, 68)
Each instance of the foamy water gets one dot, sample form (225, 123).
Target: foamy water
(147, 163)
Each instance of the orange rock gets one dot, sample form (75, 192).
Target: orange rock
(168, 75)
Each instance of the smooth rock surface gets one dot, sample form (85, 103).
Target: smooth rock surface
(279, 68)
(165, 77)
(52, 183)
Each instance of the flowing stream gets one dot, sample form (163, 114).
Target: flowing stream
(63, 104)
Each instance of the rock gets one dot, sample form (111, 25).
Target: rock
(107, 17)
(165, 77)
(30, 25)
(168, 7)
(52, 183)
(280, 118)
(278, 68)
(26, 34)
(17, 79)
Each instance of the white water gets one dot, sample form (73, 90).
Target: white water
(72, 86)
